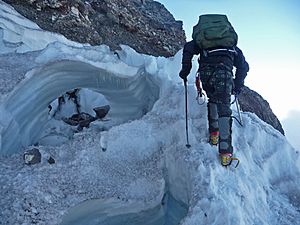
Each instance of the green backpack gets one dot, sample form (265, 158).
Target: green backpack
(213, 31)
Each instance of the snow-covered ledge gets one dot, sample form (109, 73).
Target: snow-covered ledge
(26, 110)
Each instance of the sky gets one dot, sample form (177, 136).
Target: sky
(269, 34)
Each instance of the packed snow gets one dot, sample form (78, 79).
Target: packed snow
(120, 169)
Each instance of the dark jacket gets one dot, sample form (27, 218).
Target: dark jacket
(231, 58)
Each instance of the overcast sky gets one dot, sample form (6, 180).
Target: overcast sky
(269, 35)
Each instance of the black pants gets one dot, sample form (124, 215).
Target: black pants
(217, 81)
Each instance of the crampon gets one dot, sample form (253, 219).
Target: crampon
(227, 159)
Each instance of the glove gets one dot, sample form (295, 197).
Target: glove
(183, 75)
(237, 87)
(185, 71)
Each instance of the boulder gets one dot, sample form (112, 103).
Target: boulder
(101, 111)
(32, 156)
(81, 119)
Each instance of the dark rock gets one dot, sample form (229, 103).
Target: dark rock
(101, 111)
(51, 160)
(146, 26)
(32, 156)
(81, 119)
(251, 101)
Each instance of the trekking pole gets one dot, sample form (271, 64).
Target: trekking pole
(186, 117)
(239, 111)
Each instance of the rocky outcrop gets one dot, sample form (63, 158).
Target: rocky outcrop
(144, 25)
(251, 101)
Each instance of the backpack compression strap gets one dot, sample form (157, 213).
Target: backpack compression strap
(206, 52)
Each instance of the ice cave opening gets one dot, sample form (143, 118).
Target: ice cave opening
(26, 109)
(72, 112)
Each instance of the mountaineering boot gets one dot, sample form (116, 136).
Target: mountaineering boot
(226, 159)
(214, 138)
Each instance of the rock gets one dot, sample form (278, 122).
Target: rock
(85, 119)
(51, 160)
(81, 119)
(32, 156)
(101, 111)
(251, 101)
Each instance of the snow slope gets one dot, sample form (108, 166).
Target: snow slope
(145, 146)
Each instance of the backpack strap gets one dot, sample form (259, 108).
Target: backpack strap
(207, 52)
(221, 49)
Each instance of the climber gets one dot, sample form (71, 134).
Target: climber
(218, 55)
